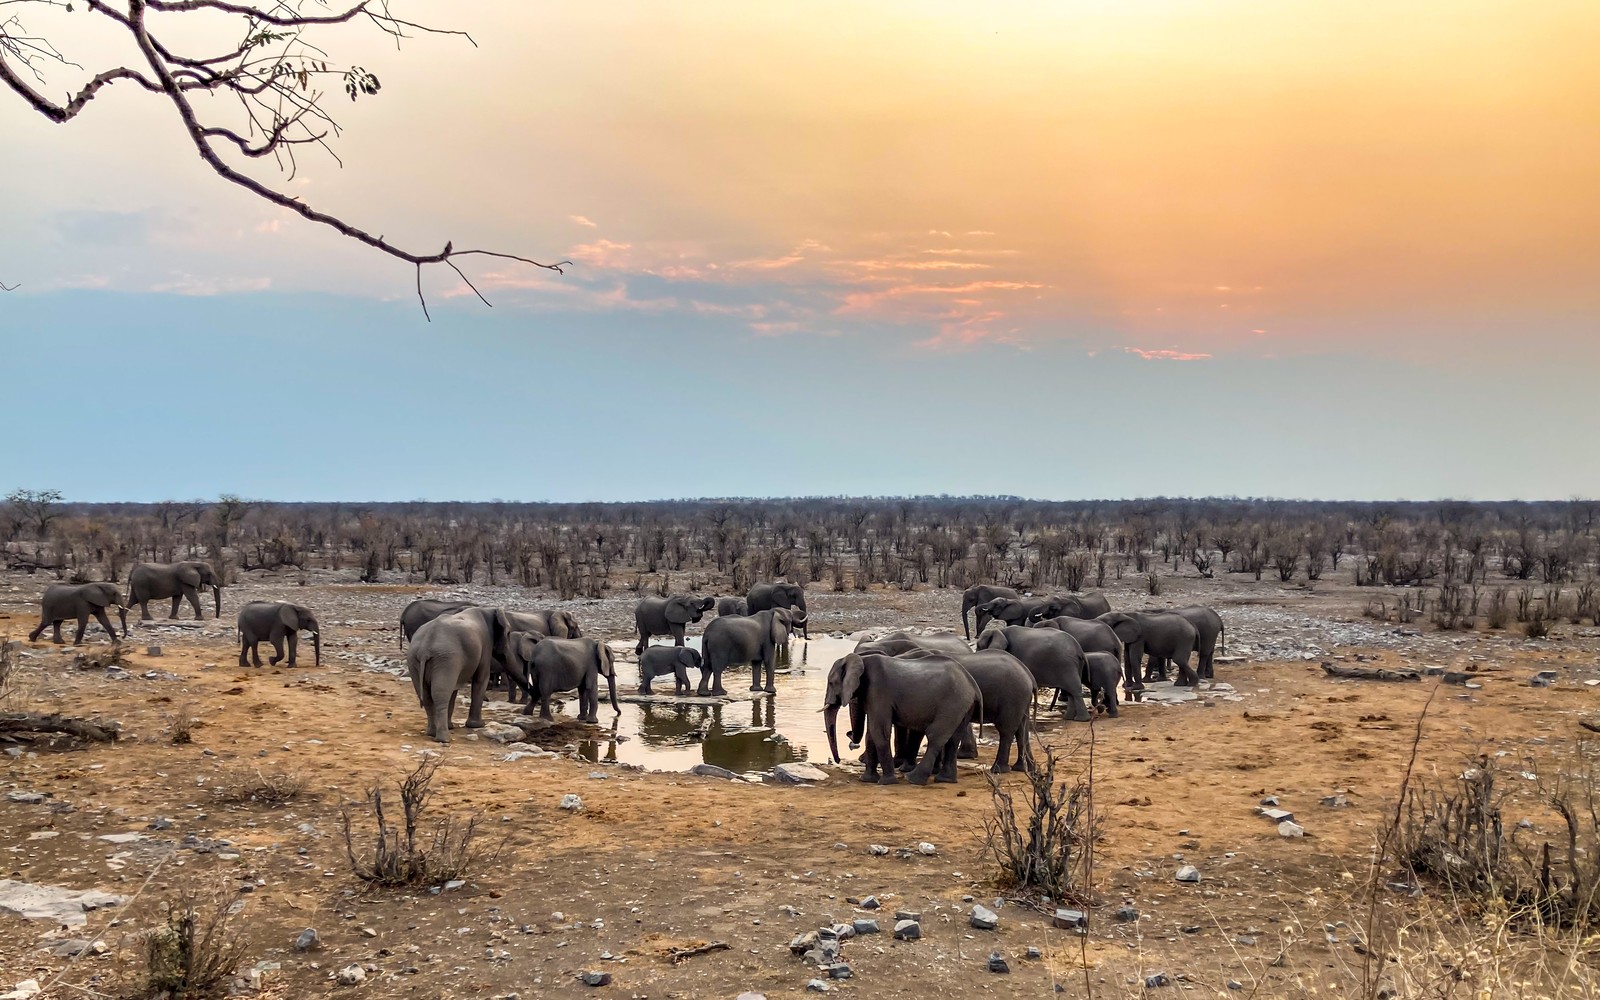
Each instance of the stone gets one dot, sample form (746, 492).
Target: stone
(596, 978)
(838, 970)
(1276, 815)
(844, 932)
(1156, 980)
(152, 651)
(907, 930)
(865, 926)
(1270, 800)
(26, 798)
(751, 996)
(571, 802)
(870, 903)
(816, 986)
(803, 943)
(25, 990)
(1034, 952)
(352, 975)
(1245, 940)
(1335, 801)
(713, 771)
(1070, 919)
(927, 848)
(1455, 677)
(799, 773)
(67, 949)
(307, 940)
(159, 823)
(1540, 682)
(1549, 675)
(908, 915)
(984, 919)
(60, 906)
(1291, 829)
(1234, 984)
(501, 732)
(998, 964)
(1126, 914)
(1188, 873)
(877, 849)
(121, 838)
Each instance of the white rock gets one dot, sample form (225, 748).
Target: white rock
(799, 773)
(571, 802)
(352, 975)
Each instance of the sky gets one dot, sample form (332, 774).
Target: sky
(1054, 249)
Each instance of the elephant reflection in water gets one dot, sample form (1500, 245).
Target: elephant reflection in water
(724, 739)
(601, 750)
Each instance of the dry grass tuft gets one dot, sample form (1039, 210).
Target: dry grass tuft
(255, 787)
(194, 953)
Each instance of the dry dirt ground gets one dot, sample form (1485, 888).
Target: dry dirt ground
(660, 860)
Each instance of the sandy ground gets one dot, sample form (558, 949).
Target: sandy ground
(657, 860)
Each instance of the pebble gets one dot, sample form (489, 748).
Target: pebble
(878, 849)
(159, 823)
(1034, 952)
(1157, 980)
(713, 771)
(799, 774)
(1071, 919)
(352, 975)
(26, 798)
(865, 926)
(870, 903)
(307, 940)
(751, 996)
(1277, 815)
(1291, 829)
(1234, 984)
(1188, 873)
(816, 986)
(1335, 801)
(908, 915)
(1126, 914)
(984, 919)
(998, 963)
(571, 802)
(596, 978)
(838, 970)
(907, 930)
(927, 848)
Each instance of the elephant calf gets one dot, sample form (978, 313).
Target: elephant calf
(1105, 670)
(80, 601)
(659, 661)
(266, 621)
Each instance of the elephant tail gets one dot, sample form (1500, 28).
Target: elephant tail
(1224, 638)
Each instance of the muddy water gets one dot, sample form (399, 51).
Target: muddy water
(740, 735)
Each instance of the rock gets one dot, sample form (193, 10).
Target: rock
(816, 986)
(1245, 940)
(1549, 675)
(24, 990)
(63, 907)
(501, 732)
(1276, 815)
(1034, 952)
(877, 849)
(908, 915)
(1291, 829)
(307, 940)
(1524, 824)
(1126, 914)
(152, 651)
(26, 798)
(67, 949)
(838, 970)
(352, 975)
(998, 963)
(844, 932)
(1070, 919)
(121, 838)
(864, 926)
(799, 774)
(1234, 984)
(803, 943)
(1157, 980)
(713, 771)
(596, 978)
(984, 919)
(870, 903)
(1188, 873)
(159, 823)
(1455, 677)
(1335, 801)
(1270, 800)
(1540, 682)
(571, 802)
(907, 930)
(454, 884)
(927, 848)
(751, 996)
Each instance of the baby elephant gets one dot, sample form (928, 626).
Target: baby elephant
(66, 601)
(659, 661)
(732, 606)
(1105, 670)
(267, 621)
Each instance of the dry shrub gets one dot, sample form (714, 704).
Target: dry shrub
(1046, 849)
(407, 856)
(181, 725)
(10, 663)
(1152, 584)
(102, 658)
(195, 951)
(1499, 608)
(256, 787)
(1538, 626)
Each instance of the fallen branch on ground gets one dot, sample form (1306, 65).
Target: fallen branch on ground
(1370, 673)
(680, 954)
(32, 722)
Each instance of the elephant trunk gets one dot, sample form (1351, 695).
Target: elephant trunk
(830, 721)
(216, 595)
(611, 688)
(122, 613)
(316, 647)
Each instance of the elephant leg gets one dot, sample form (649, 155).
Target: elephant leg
(716, 684)
(1111, 698)
(544, 703)
(1078, 709)
(105, 623)
(1002, 756)
(707, 674)
(878, 735)
(947, 759)
(441, 705)
(677, 635)
(680, 680)
(176, 600)
(644, 640)
(644, 683)
(34, 635)
(245, 648)
(83, 626)
(941, 737)
(144, 610)
(194, 602)
(294, 644)
(1186, 675)
(480, 692)
(870, 763)
(450, 716)
(969, 743)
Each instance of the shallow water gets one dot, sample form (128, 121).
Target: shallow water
(740, 735)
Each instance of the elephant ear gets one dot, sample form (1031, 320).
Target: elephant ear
(568, 624)
(855, 673)
(606, 659)
(189, 574)
(779, 628)
(100, 595)
(520, 647)
(689, 656)
(289, 615)
(679, 611)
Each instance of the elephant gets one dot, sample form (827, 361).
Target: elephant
(980, 594)
(545, 666)
(732, 607)
(931, 695)
(550, 624)
(1008, 691)
(157, 581)
(423, 610)
(272, 622)
(1053, 657)
(668, 616)
(1093, 636)
(1163, 636)
(734, 642)
(1209, 625)
(659, 661)
(1017, 610)
(769, 596)
(1084, 605)
(1105, 670)
(943, 642)
(81, 601)
(451, 652)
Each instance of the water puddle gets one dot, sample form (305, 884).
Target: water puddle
(739, 735)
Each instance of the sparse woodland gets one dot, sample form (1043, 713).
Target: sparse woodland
(1453, 564)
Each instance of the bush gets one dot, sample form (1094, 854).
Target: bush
(268, 788)
(1499, 608)
(1152, 584)
(181, 725)
(195, 951)
(403, 857)
(1048, 849)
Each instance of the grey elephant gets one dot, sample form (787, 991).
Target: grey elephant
(158, 581)
(1084, 605)
(1208, 625)
(451, 652)
(728, 607)
(1017, 610)
(733, 642)
(768, 596)
(1008, 690)
(1053, 657)
(940, 642)
(545, 666)
(81, 601)
(980, 594)
(550, 624)
(659, 661)
(668, 616)
(1093, 636)
(932, 695)
(1160, 637)
(270, 621)
(424, 610)
(1105, 670)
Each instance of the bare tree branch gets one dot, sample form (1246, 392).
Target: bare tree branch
(273, 72)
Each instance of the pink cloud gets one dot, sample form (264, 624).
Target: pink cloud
(603, 253)
(1165, 355)
(582, 220)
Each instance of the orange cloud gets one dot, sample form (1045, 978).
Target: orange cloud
(1166, 355)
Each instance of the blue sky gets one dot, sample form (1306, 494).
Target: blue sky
(118, 396)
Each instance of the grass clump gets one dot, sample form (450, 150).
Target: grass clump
(408, 855)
